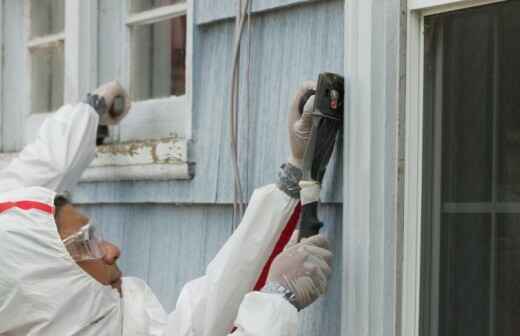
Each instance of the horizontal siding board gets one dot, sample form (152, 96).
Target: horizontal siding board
(169, 245)
(287, 47)
(207, 11)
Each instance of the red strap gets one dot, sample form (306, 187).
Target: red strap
(284, 239)
(27, 205)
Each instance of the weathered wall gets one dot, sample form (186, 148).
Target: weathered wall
(168, 231)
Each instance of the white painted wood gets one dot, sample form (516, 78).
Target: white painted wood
(165, 117)
(165, 151)
(80, 49)
(150, 160)
(371, 230)
(158, 14)
(46, 41)
(413, 178)
(151, 172)
(439, 6)
(155, 119)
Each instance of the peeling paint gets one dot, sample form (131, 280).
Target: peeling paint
(163, 151)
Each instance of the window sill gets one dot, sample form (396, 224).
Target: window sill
(153, 160)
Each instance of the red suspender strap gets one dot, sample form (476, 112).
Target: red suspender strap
(27, 205)
(284, 239)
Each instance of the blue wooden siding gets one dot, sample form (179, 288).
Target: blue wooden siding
(287, 47)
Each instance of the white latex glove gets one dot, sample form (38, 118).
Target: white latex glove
(304, 269)
(300, 125)
(109, 91)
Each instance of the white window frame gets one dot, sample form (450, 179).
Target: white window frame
(34, 120)
(172, 115)
(155, 159)
(417, 11)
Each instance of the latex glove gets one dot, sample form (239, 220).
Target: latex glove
(303, 269)
(300, 126)
(109, 91)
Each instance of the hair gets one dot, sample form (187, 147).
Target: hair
(59, 202)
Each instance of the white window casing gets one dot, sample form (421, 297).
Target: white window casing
(412, 251)
(161, 125)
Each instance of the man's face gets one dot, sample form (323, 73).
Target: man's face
(104, 270)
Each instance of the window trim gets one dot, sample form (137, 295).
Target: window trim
(80, 37)
(183, 117)
(412, 249)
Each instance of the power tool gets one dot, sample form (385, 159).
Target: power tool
(327, 121)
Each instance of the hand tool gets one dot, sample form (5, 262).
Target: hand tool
(327, 121)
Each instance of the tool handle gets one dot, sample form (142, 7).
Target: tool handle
(310, 225)
(118, 107)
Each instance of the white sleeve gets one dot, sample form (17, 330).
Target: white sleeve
(63, 149)
(264, 314)
(209, 305)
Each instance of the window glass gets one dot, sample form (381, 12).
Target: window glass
(159, 59)
(47, 17)
(471, 217)
(508, 87)
(143, 5)
(47, 78)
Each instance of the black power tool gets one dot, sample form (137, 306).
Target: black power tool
(327, 121)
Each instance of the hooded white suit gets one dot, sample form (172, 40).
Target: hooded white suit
(44, 292)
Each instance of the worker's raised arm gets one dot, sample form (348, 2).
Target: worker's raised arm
(210, 304)
(65, 144)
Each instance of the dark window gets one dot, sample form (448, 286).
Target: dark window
(471, 217)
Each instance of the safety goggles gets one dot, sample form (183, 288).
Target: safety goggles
(86, 244)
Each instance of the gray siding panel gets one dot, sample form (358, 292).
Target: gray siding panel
(169, 245)
(207, 11)
(287, 47)
(164, 245)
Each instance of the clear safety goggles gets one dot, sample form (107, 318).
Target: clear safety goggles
(86, 244)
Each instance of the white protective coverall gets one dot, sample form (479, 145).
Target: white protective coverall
(44, 292)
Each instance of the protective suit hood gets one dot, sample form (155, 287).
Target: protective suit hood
(25, 288)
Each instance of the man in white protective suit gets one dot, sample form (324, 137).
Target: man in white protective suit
(59, 277)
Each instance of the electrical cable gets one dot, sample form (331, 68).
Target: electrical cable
(238, 201)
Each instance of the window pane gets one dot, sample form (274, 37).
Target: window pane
(47, 17)
(509, 111)
(143, 5)
(480, 276)
(47, 69)
(459, 76)
(465, 278)
(159, 59)
(508, 276)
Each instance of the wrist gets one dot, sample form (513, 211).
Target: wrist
(277, 289)
(289, 177)
(98, 103)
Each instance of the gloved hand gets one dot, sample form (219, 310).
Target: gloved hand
(109, 91)
(303, 269)
(300, 125)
